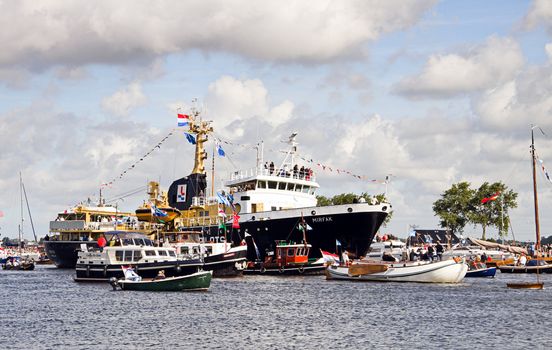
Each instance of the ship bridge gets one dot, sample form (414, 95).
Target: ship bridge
(265, 189)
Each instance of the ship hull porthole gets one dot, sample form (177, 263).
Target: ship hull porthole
(349, 210)
(313, 212)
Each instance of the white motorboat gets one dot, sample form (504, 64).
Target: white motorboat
(449, 271)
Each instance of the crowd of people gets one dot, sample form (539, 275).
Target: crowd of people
(295, 172)
(431, 252)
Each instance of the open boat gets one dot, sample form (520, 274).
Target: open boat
(199, 281)
(482, 272)
(538, 284)
(448, 271)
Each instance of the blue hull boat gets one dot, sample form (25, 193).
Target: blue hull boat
(484, 272)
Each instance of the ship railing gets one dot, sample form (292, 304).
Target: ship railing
(283, 173)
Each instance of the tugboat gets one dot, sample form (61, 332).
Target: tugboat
(123, 249)
(270, 200)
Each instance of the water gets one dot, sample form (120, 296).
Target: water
(45, 309)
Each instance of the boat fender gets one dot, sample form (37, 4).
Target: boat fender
(263, 270)
(281, 270)
(105, 271)
(178, 268)
(301, 269)
(113, 282)
(457, 259)
(88, 271)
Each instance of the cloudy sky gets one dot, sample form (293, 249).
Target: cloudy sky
(432, 92)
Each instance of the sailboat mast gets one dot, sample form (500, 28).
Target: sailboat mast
(537, 226)
(21, 225)
(29, 210)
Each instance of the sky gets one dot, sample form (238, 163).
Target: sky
(427, 92)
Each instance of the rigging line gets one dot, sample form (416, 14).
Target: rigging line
(141, 188)
(114, 199)
(29, 210)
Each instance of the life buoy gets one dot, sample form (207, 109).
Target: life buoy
(281, 270)
(301, 269)
(262, 270)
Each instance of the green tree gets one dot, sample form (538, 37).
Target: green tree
(453, 207)
(322, 201)
(492, 213)
(348, 198)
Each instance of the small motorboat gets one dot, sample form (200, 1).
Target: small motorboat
(479, 269)
(199, 281)
(482, 272)
(448, 271)
(16, 263)
(287, 259)
(526, 285)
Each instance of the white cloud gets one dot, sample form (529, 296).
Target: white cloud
(50, 33)
(122, 102)
(494, 62)
(236, 102)
(540, 12)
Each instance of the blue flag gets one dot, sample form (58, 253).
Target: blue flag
(191, 139)
(220, 151)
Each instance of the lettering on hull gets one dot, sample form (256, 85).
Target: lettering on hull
(323, 219)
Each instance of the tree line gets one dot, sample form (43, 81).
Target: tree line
(486, 206)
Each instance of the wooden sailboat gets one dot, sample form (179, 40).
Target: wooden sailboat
(538, 284)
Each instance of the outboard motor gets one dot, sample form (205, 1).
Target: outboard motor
(113, 282)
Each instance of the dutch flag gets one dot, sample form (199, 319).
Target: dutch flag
(183, 119)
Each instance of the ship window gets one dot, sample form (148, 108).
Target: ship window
(290, 186)
(119, 255)
(184, 250)
(162, 252)
(128, 255)
(312, 190)
(273, 208)
(261, 184)
(306, 189)
(298, 188)
(138, 241)
(149, 243)
(290, 252)
(272, 184)
(171, 253)
(128, 241)
(137, 255)
(150, 252)
(281, 185)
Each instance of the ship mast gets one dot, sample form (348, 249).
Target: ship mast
(201, 129)
(535, 197)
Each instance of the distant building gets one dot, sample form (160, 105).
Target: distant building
(432, 236)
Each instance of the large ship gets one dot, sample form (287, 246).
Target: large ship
(271, 202)
(82, 226)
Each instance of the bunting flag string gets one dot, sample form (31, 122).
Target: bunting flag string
(324, 167)
(132, 166)
(544, 169)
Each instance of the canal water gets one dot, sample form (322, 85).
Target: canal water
(46, 309)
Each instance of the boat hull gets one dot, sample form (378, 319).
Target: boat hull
(64, 253)
(486, 272)
(194, 282)
(307, 269)
(527, 285)
(229, 264)
(525, 269)
(448, 271)
(102, 273)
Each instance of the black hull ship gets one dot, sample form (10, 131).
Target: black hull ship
(259, 207)
(267, 203)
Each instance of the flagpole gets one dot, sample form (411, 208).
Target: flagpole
(213, 172)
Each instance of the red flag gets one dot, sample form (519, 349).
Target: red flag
(491, 198)
(236, 221)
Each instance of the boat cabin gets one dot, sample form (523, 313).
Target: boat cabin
(129, 248)
(287, 254)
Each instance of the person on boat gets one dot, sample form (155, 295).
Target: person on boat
(439, 249)
(131, 275)
(413, 256)
(160, 275)
(345, 257)
(483, 258)
(102, 242)
(430, 252)
(388, 257)
(523, 260)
